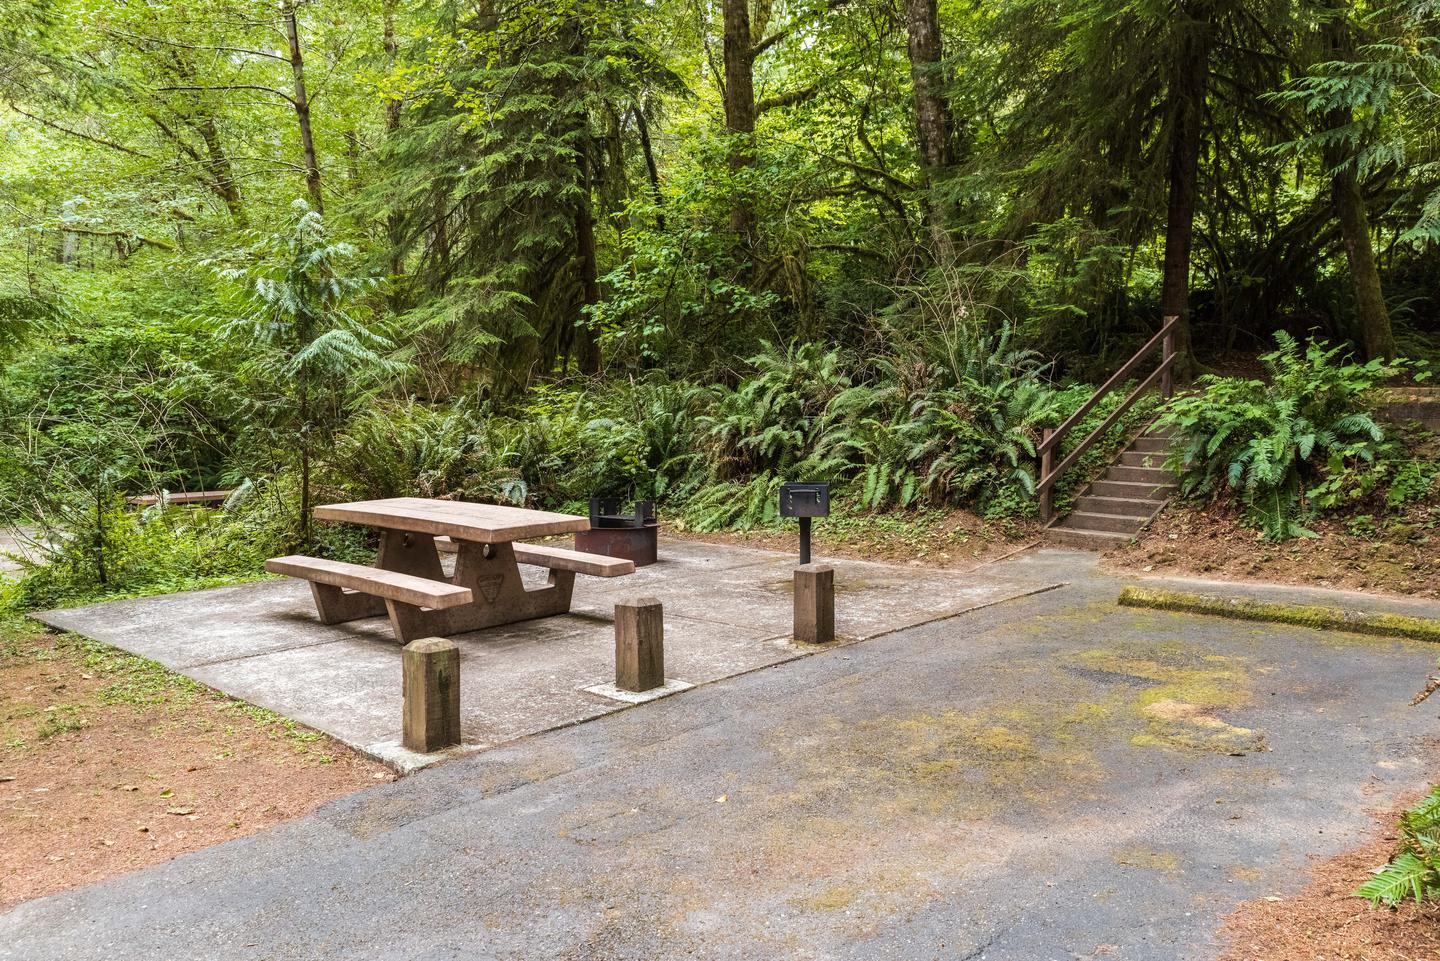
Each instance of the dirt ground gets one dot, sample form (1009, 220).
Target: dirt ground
(1325, 923)
(1403, 562)
(1183, 540)
(109, 763)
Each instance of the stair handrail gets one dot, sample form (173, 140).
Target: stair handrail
(1051, 440)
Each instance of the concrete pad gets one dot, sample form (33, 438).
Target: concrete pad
(994, 786)
(671, 686)
(194, 628)
(727, 611)
(870, 599)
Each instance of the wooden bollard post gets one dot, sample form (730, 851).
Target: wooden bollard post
(431, 668)
(815, 603)
(639, 644)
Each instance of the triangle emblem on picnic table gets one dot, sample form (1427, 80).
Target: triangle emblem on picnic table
(490, 586)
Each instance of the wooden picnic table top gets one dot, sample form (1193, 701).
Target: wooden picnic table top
(461, 520)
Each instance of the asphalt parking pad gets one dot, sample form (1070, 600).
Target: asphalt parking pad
(1053, 777)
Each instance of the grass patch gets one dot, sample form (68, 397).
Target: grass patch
(1300, 615)
(61, 719)
(128, 681)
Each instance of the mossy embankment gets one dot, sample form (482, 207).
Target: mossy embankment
(1377, 623)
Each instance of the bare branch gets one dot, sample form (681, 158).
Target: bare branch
(230, 86)
(83, 136)
(128, 234)
(195, 46)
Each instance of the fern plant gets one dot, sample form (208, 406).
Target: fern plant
(772, 421)
(977, 404)
(390, 450)
(1275, 445)
(1415, 869)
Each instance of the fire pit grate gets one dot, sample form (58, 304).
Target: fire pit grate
(612, 533)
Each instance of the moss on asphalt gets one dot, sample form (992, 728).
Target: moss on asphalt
(1378, 623)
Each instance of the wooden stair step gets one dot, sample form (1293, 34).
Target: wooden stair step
(1128, 506)
(1152, 444)
(1113, 523)
(1131, 490)
(1145, 475)
(1142, 458)
(1085, 540)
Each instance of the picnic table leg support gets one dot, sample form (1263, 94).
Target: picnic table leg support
(431, 669)
(410, 553)
(410, 622)
(336, 606)
(815, 603)
(562, 589)
(639, 644)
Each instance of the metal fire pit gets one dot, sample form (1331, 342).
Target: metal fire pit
(631, 536)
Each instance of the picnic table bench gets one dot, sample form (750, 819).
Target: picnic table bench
(409, 584)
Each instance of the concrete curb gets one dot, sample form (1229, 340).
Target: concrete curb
(1381, 624)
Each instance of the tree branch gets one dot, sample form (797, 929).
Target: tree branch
(230, 86)
(854, 249)
(83, 136)
(787, 99)
(194, 46)
(785, 32)
(174, 137)
(129, 234)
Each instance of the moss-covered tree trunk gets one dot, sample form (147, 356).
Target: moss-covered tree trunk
(1186, 107)
(740, 115)
(1349, 203)
(587, 345)
(394, 222)
(935, 127)
(1370, 310)
(300, 100)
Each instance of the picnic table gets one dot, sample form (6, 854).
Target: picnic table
(409, 584)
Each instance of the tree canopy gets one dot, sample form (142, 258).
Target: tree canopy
(626, 184)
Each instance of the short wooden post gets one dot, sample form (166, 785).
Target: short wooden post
(639, 644)
(431, 669)
(1047, 491)
(815, 603)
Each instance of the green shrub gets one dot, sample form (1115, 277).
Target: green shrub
(1304, 441)
(121, 551)
(409, 449)
(967, 409)
(780, 423)
(641, 441)
(1415, 869)
(631, 439)
(944, 420)
(775, 418)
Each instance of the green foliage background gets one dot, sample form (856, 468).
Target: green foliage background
(526, 253)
